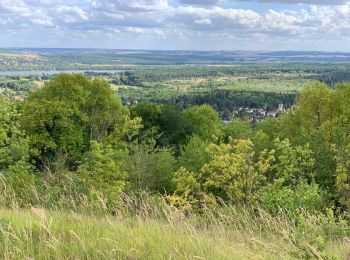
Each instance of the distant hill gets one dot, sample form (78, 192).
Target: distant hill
(161, 57)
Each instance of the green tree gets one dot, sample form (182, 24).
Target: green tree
(303, 196)
(313, 113)
(202, 121)
(163, 122)
(237, 129)
(233, 173)
(315, 106)
(14, 151)
(319, 118)
(343, 175)
(171, 126)
(66, 114)
(265, 132)
(104, 110)
(194, 154)
(103, 170)
(188, 189)
(150, 167)
(15, 169)
(187, 182)
(293, 164)
(150, 114)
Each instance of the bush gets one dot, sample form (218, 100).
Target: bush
(305, 196)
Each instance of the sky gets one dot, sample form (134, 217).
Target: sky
(177, 24)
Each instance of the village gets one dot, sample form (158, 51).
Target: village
(255, 114)
(11, 60)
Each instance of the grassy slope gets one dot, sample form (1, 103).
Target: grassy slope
(40, 234)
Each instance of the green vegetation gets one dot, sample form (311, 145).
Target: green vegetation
(42, 234)
(95, 178)
(233, 88)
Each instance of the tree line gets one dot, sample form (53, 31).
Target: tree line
(76, 130)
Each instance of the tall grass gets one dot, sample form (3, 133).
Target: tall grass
(69, 225)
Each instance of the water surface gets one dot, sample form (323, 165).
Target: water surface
(52, 72)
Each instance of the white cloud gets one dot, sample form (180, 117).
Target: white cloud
(71, 14)
(205, 21)
(133, 5)
(217, 2)
(315, 2)
(159, 20)
(201, 2)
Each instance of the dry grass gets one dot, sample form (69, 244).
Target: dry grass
(41, 234)
(140, 226)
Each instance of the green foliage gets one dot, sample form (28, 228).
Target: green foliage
(150, 167)
(187, 182)
(303, 196)
(172, 126)
(321, 119)
(265, 133)
(103, 170)
(202, 121)
(315, 106)
(67, 113)
(313, 113)
(233, 173)
(343, 176)
(149, 112)
(105, 114)
(237, 129)
(165, 122)
(54, 120)
(295, 167)
(189, 194)
(14, 151)
(293, 164)
(261, 141)
(194, 154)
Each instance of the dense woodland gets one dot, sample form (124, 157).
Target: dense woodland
(78, 127)
(73, 138)
(225, 88)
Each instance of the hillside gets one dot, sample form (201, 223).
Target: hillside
(42, 234)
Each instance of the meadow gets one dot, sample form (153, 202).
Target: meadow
(151, 229)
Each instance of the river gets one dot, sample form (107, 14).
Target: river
(52, 72)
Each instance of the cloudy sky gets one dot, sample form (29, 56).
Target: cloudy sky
(177, 24)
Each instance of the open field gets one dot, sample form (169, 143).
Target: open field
(42, 234)
(20, 55)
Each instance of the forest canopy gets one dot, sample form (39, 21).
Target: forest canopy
(78, 127)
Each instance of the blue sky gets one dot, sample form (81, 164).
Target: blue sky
(177, 24)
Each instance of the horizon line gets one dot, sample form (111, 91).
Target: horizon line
(193, 50)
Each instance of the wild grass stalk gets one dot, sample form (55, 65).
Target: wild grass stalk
(66, 224)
